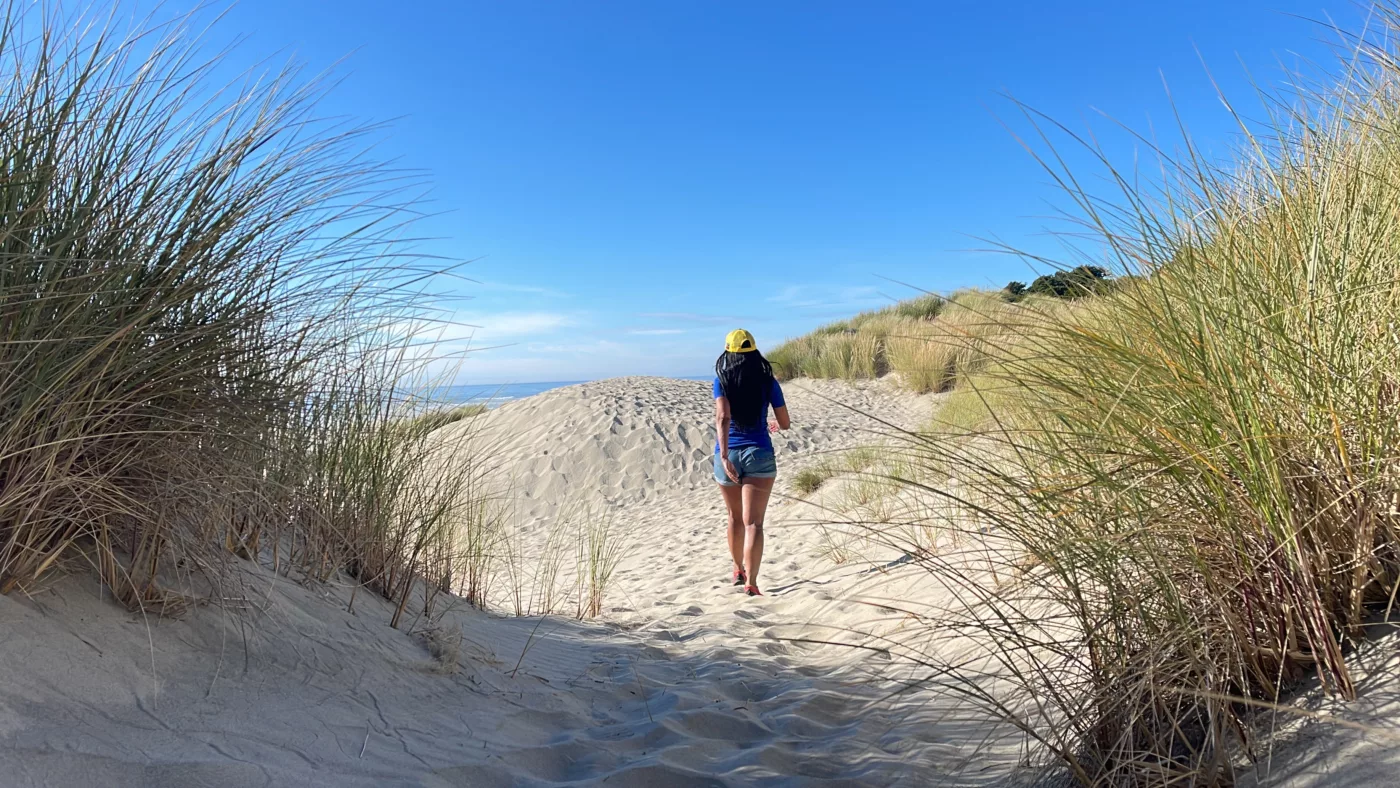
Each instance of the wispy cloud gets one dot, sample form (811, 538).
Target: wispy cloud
(826, 297)
(692, 317)
(493, 327)
(655, 332)
(788, 294)
(598, 346)
(529, 289)
(524, 323)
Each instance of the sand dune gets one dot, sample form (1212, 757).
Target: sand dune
(683, 681)
(631, 439)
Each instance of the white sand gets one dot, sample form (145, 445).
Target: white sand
(1318, 741)
(683, 681)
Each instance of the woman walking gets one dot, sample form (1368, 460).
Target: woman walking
(744, 463)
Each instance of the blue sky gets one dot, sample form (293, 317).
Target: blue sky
(633, 179)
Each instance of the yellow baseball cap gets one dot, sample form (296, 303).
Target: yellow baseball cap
(740, 341)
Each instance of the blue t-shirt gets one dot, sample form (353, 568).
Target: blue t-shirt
(756, 436)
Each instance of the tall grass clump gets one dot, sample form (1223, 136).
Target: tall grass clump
(200, 302)
(808, 480)
(1194, 480)
(540, 577)
(847, 357)
(534, 576)
(933, 342)
(793, 357)
(938, 355)
(925, 307)
(459, 468)
(441, 417)
(844, 355)
(599, 552)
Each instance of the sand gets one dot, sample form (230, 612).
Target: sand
(682, 681)
(1319, 741)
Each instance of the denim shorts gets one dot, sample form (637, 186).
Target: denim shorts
(751, 463)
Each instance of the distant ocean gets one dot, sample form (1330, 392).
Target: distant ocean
(493, 395)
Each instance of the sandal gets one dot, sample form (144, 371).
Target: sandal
(739, 577)
(752, 591)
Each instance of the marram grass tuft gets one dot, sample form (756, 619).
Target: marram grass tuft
(1189, 487)
(202, 352)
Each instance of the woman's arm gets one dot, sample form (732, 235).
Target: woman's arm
(722, 420)
(780, 413)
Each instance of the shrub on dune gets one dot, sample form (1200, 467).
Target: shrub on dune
(923, 363)
(846, 356)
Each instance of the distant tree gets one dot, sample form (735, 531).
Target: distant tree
(1074, 283)
(1092, 275)
(1049, 284)
(1014, 290)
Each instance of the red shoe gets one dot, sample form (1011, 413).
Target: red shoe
(752, 591)
(739, 578)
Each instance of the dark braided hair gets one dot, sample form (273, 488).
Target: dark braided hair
(746, 380)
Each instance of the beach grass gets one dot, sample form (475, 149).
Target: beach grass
(541, 578)
(1186, 489)
(444, 644)
(202, 324)
(931, 342)
(600, 550)
(441, 417)
(809, 480)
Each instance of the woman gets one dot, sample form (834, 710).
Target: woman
(744, 464)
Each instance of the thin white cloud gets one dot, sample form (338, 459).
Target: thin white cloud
(530, 289)
(655, 332)
(692, 317)
(788, 294)
(516, 324)
(861, 292)
(827, 297)
(599, 346)
(493, 327)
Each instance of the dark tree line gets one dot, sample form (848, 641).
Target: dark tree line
(1074, 283)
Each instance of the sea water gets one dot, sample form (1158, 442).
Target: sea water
(494, 394)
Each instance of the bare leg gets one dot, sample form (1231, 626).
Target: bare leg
(734, 507)
(755, 497)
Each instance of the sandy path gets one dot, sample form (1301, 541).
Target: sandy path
(782, 712)
(683, 681)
